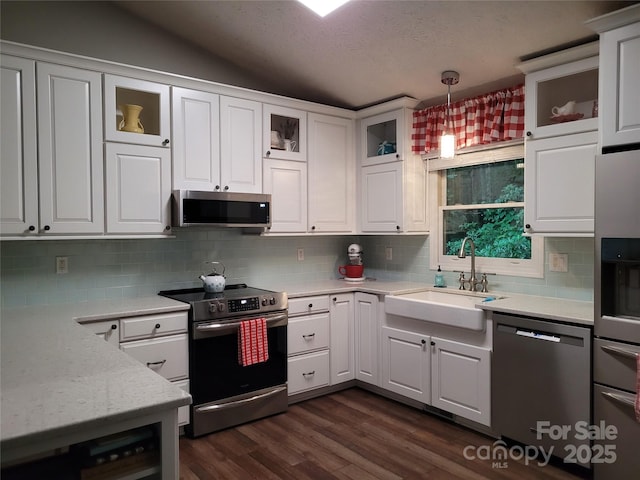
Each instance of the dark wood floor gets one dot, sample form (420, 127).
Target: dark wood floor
(351, 434)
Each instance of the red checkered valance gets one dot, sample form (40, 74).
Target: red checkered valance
(489, 118)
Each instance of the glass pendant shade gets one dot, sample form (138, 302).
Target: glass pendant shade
(447, 145)
(448, 138)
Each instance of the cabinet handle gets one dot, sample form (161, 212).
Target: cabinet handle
(217, 187)
(268, 153)
(433, 344)
(167, 227)
(309, 374)
(165, 142)
(156, 364)
(47, 228)
(397, 155)
(114, 327)
(313, 227)
(31, 228)
(335, 299)
(157, 326)
(226, 187)
(529, 134)
(397, 227)
(527, 226)
(309, 336)
(311, 305)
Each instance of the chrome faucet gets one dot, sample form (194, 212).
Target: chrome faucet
(473, 281)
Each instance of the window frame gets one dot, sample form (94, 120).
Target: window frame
(437, 168)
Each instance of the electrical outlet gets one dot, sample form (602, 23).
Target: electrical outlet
(388, 253)
(300, 254)
(62, 265)
(558, 262)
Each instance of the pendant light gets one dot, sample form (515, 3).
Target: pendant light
(448, 138)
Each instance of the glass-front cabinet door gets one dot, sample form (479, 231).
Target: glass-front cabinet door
(284, 133)
(382, 137)
(563, 99)
(136, 111)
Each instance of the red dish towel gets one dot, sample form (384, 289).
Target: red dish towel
(638, 389)
(253, 346)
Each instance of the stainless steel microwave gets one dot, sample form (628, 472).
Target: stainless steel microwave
(221, 209)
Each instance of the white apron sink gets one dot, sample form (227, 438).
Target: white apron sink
(446, 308)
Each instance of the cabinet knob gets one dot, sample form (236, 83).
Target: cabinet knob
(167, 227)
(165, 142)
(313, 227)
(114, 327)
(157, 326)
(433, 343)
(398, 227)
(47, 228)
(423, 341)
(31, 228)
(529, 134)
(527, 226)
(335, 299)
(226, 187)
(268, 153)
(397, 155)
(311, 305)
(217, 187)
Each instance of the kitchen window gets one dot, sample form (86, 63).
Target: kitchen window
(480, 194)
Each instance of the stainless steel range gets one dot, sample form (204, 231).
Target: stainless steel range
(224, 392)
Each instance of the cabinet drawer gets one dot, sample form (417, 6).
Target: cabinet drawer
(150, 326)
(614, 364)
(308, 333)
(183, 412)
(299, 306)
(308, 371)
(107, 330)
(167, 355)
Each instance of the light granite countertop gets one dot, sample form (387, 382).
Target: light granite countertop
(548, 308)
(58, 378)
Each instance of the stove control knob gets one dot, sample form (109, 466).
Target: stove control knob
(272, 301)
(265, 302)
(213, 308)
(221, 307)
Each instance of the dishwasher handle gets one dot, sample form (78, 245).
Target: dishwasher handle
(538, 335)
(541, 334)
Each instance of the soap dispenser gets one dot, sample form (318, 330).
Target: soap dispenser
(439, 281)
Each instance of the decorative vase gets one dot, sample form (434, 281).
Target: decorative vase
(131, 119)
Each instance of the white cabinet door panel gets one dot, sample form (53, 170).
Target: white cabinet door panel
(139, 189)
(308, 333)
(342, 338)
(461, 380)
(382, 208)
(366, 337)
(196, 140)
(18, 146)
(405, 364)
(70, 149)
(167, 356)
(240, 144)
(286, 181)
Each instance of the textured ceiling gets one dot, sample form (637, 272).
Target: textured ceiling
(369, 51)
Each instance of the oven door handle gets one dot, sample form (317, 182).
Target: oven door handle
(235, 403)
(622, 399)
(620, 351)
(229, 326)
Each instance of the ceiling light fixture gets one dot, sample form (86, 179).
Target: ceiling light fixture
(448, 138)
(323, 7)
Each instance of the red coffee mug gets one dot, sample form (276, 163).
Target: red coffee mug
(351, 271)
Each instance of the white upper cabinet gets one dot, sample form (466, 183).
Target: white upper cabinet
(138, 189)
(240, 145)
(70, 150)
(286, 181)
(18, 147)
(562, 99)
(619, 76)
(284, 133)
(383, 137)
(196, 139)
(136, 111)
(331, 181)
(52, 181)
(381, 208)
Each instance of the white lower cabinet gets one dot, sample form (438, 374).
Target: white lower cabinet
(158, 341)
(366, 337)
(406, 364)
(309, 371)
(342, 338)
(461, 379)
(449, 375)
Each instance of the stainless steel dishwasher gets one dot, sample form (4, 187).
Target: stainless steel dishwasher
(541, 392)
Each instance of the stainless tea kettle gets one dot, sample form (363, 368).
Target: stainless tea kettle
(214, 282)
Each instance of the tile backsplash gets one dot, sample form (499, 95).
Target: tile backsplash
(141, 267)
